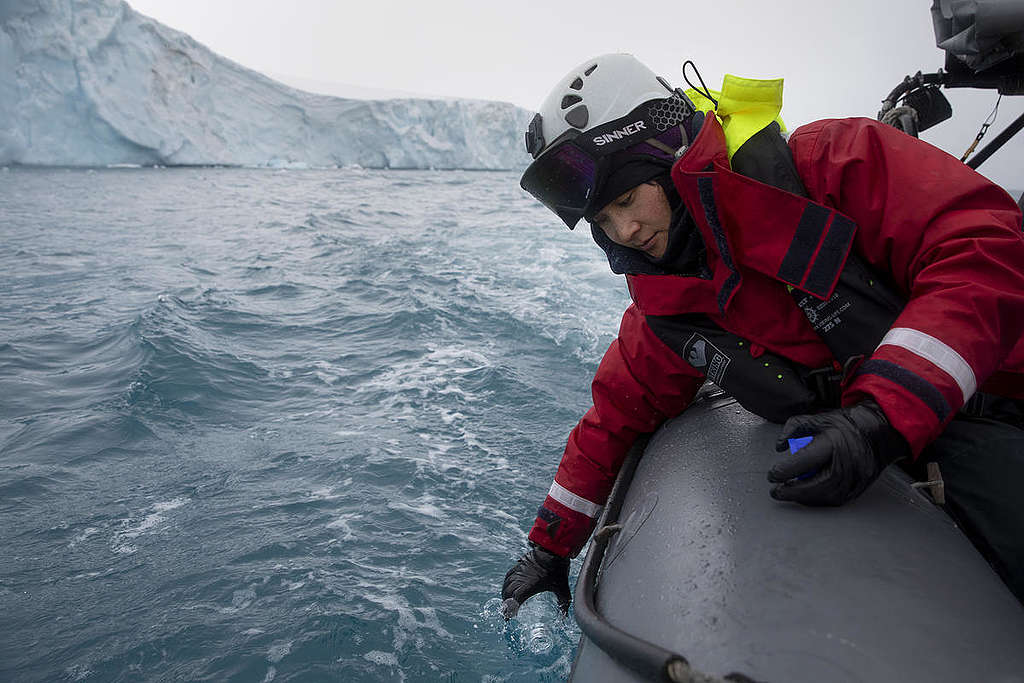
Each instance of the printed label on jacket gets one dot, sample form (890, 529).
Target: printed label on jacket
(824, 316)
(706, 357)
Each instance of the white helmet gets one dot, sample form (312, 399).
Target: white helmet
(605, 98)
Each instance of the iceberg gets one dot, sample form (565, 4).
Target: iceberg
(95, 83)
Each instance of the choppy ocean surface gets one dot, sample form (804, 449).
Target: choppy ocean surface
(262, 425)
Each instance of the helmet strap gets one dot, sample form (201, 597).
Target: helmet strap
(676, 153)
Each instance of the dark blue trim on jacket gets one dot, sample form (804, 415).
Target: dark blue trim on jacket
(916, 384)
(707, 200)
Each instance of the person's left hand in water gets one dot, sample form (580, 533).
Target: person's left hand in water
(850, 448)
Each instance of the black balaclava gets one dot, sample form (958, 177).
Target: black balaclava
(685, 251)
(628, 170)
(630, 167)
(684, 254)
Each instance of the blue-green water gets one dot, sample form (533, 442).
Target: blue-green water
(283, 426)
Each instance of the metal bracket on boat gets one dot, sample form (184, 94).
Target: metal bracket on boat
(608, 530)
(935, 485)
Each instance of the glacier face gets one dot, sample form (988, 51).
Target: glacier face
(93, 82)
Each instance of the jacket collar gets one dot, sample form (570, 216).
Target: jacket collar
(707, 150)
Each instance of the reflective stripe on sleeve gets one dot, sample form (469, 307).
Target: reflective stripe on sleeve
(572, 501)
(934, 350)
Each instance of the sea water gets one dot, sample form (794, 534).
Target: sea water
(290, 426)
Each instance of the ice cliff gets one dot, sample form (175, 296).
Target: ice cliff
(93, 82)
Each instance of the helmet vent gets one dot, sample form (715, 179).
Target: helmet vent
(578, 117)
(591, 70)
(577, 84)
(570, 100)
(668, 112)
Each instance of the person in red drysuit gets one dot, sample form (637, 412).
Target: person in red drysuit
(854, 249)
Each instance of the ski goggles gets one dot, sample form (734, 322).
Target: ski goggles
(567, 175)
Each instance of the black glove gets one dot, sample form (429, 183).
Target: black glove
(850, 449)
(535, 572)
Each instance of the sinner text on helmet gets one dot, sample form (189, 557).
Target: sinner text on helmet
(619, 133)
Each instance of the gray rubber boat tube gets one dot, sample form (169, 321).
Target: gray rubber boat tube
(652, 662)
(647, 659)
(708, 567)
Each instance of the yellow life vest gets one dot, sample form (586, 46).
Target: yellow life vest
(745, 106)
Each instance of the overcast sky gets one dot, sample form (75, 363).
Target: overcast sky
(839, 57)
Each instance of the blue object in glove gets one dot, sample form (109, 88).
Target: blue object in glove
(799, 442)
(850, 449)
(795, 445)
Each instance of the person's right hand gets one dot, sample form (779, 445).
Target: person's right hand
(850, 449)
(535, 572)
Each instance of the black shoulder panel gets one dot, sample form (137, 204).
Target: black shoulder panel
(766, 157)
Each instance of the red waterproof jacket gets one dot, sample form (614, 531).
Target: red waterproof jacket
(950, 240)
